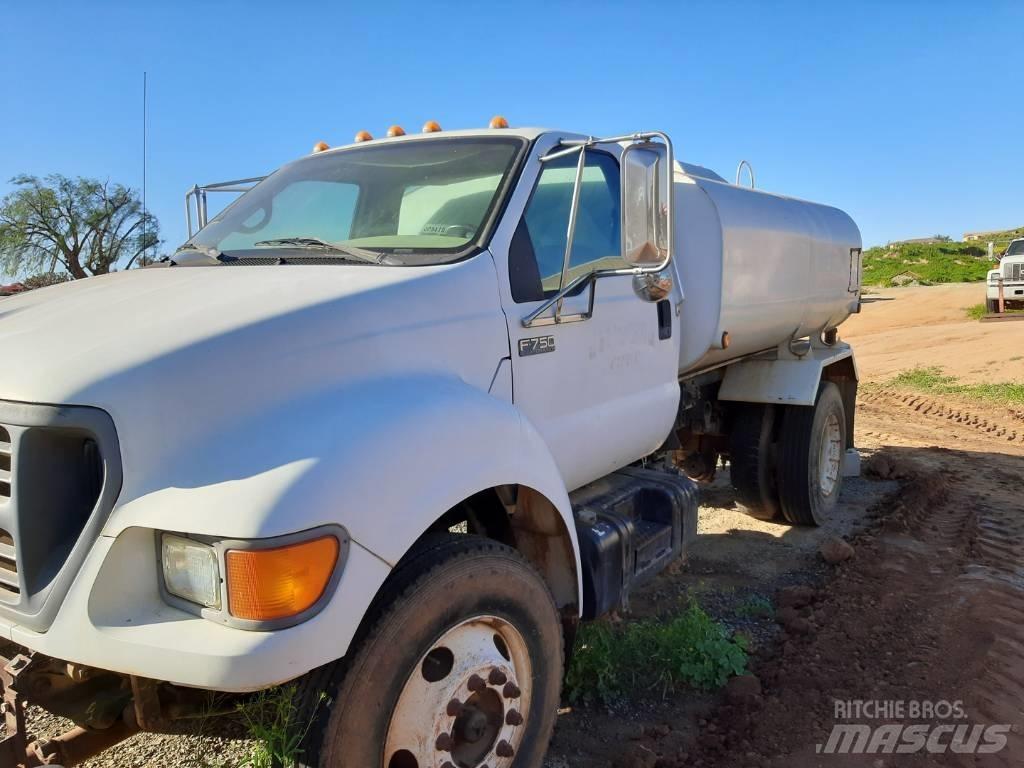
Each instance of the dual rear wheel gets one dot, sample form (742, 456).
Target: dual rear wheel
(787, 461)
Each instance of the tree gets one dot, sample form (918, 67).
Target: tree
(83, 225)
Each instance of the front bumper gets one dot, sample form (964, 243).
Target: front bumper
(1011, 291)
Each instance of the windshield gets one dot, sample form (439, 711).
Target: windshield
(420, 202)
(1016, 248)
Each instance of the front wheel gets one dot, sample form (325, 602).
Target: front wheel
(810, 458)
(462, 668)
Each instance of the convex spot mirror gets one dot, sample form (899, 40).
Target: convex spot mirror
(645, 179)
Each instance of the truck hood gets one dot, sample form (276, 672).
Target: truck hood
(185, 349)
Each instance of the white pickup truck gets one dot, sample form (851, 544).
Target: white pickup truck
(1006, 282)
(392, 424)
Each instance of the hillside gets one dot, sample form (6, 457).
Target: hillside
(926, 263)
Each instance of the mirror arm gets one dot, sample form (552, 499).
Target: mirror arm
(574, 209)
(534, 318)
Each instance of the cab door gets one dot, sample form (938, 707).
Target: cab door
(602, 391)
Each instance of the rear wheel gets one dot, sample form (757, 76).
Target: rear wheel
(462, 668)
(752, 461)
(810, 458)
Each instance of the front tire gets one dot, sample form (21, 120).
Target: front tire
(462, 666)
(810, 459)
(991, 306)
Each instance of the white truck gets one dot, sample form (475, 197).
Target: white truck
(392, 424)
(1005, 284)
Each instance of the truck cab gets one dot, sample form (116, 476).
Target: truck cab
(392, 423)
(1005, 284)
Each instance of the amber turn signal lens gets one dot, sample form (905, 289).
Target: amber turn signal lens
(279, 583)
(320, 146)
(396, 130)
(498, 122)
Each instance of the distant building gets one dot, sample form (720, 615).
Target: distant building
(972, 236)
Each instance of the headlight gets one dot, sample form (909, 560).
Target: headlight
(191, 570)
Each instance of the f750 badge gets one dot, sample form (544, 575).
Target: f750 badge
(536, 345)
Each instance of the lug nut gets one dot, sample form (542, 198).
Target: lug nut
(513, 718)
(504, 749)
(497, 677)
(454, 708)
(511, 691)
(476, 683)
(444, 742)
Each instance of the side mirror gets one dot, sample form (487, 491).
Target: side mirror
(645, 186)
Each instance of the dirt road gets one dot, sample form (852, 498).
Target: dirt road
(901, 328)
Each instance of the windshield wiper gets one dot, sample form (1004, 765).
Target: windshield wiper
(371, 257)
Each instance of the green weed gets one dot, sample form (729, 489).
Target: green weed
(689, 650)
(272, 719)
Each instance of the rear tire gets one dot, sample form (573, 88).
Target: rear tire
(751, 461)
(810, 458)
(463, 620)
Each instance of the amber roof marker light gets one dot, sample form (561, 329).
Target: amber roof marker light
(431, 126)
(363, 136)
(498, 122)
(320, 146)
(395, 130)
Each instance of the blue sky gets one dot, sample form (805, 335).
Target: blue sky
(909, 115)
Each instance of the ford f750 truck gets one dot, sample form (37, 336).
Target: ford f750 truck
(395, 421)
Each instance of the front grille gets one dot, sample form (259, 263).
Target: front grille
(6, 461)
(59, 476)
(10, 585)
(1013, 271)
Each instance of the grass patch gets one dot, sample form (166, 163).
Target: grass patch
(978, 311)
(690, 650)
(272, 719)
(932, 380)
(755, 607)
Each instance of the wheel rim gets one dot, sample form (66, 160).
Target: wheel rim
(467, 701)
(830, 456)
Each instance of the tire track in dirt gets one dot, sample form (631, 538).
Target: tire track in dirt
(1010, 427)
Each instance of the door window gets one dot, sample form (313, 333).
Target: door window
(538, 247)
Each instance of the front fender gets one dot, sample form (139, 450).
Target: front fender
(385, 458)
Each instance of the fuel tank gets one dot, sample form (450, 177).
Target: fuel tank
(755, 269)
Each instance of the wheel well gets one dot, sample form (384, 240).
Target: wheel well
(527, 520)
